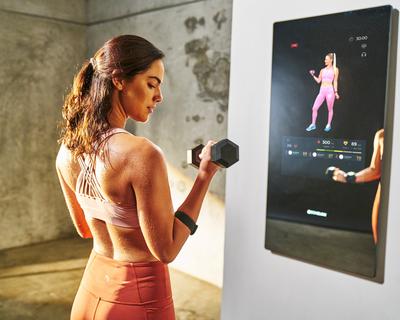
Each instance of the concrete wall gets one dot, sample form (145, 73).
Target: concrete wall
(202, 255)
(258, 284)
(195, 36)
(39, 54)
(42, 45)
(73, 11)
(99, 11)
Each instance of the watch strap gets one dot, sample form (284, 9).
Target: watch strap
(186, 220)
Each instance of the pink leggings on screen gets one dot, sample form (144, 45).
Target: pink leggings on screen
(326, 92)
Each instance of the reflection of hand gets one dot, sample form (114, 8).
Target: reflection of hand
(337, 96)
(339, 175)
(312, 72)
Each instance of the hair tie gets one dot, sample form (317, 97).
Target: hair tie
(93, 62)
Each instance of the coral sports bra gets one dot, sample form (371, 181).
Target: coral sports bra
(94, 204)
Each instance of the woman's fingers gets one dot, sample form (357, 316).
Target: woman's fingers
(339, 175)
(206, 151)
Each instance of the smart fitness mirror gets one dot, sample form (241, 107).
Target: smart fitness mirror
(329, 127)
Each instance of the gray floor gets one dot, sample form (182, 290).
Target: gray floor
(39, 282)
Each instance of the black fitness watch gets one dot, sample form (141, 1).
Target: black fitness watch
(186, 220)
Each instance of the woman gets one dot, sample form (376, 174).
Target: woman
(328, 77)
(116, 186)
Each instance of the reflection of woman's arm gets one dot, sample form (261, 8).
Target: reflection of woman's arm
(318, 80)
(373, 172)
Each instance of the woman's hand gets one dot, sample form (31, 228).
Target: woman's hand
(337, 96)
(207, 168)
(312, 72)
(339, 176)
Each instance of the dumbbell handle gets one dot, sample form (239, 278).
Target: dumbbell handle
(224, 153)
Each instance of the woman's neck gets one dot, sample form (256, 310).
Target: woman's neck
(117, 117)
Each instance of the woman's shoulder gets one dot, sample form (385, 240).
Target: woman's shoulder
(129, 142)
(66, 165)
(64, 157)
(138, 157)
(131, 147)
(379, 134)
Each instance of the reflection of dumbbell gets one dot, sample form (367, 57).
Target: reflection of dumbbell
(224, 153)
(329, 172)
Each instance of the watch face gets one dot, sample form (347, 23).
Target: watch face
(312, 128)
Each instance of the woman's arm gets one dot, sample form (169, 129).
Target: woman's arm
(373, 172)
(64, 163)
(164, 234)
(319, 79)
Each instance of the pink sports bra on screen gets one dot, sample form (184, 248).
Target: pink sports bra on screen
(92, 201)
(328, 75)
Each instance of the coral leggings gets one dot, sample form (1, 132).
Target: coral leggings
(326, 92)
(113, 289)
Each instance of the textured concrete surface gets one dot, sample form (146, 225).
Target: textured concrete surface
(73, 10)
(39, 282)
(37, 62)
(101, 10)
(196, 40)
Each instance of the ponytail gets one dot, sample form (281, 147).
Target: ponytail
(334, 61)
(77, 112)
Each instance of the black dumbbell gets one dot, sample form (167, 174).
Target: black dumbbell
(224, 153)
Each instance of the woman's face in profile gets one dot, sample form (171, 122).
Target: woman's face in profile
(328, 60)
(141, 94)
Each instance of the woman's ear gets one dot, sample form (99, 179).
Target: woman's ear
(117, 81)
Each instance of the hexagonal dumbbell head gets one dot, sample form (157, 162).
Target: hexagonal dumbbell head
(225, 153)
(193, 156)
(329, 172)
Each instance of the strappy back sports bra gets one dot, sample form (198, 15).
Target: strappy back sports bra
(91, 199)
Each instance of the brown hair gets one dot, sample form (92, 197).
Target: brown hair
(87, 106)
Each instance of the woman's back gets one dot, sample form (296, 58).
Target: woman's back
(114, 176)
